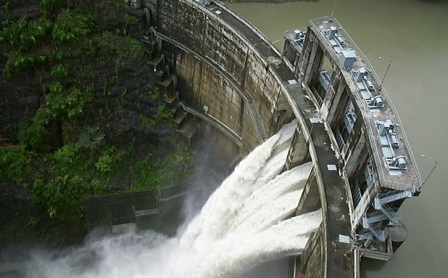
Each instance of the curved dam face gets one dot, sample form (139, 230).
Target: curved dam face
(217, 67)
(218, 71)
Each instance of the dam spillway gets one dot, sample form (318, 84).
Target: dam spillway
(214, 244)
(363, 167)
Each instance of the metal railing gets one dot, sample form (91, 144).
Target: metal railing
(394, 195)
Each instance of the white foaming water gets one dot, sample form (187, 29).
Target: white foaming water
(242, 224)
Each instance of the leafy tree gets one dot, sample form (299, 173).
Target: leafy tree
(60, 72)
(71, 26)
(67, 101)
(33, 135)
(104, 163)
(62, 197)
(169, 170)
(16, 165)
(71, 159)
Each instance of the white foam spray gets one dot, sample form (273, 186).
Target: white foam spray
(244, 222)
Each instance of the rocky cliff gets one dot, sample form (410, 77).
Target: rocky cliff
(79, 116)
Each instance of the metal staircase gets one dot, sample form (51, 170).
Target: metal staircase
(383, 212)
(377, 232)
(374, 217)
(391, 214)
(392, 196)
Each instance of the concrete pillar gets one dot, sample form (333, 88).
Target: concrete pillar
(338, 102)
(298, 150)
(312, 59)
(310, 199)
(312, 261)
(357, 152)
(289, 52)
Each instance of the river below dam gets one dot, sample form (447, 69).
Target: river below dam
(413, 35)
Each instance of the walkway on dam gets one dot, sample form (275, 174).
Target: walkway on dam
(340, 256)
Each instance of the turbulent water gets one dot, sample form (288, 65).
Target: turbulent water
(244, 222)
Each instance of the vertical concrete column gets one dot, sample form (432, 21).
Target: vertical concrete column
(310, 199)
(298, 150)
(311, 60)
(289, 52)
(357, 154)
(338, 102)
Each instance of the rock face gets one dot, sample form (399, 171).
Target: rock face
(124, 104)
(122, 97)
(20, 96)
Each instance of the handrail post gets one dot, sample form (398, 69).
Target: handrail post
(432, 170)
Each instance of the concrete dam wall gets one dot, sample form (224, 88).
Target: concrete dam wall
(216, 66)
(219, 69)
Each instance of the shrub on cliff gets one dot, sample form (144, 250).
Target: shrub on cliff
(33, 135)
(91, 137)
(80, 69)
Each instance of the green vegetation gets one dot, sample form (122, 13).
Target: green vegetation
(33, 134)
(82, 67)
(118, 5)
(16, 165)
(171, 170)
(91, 137)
